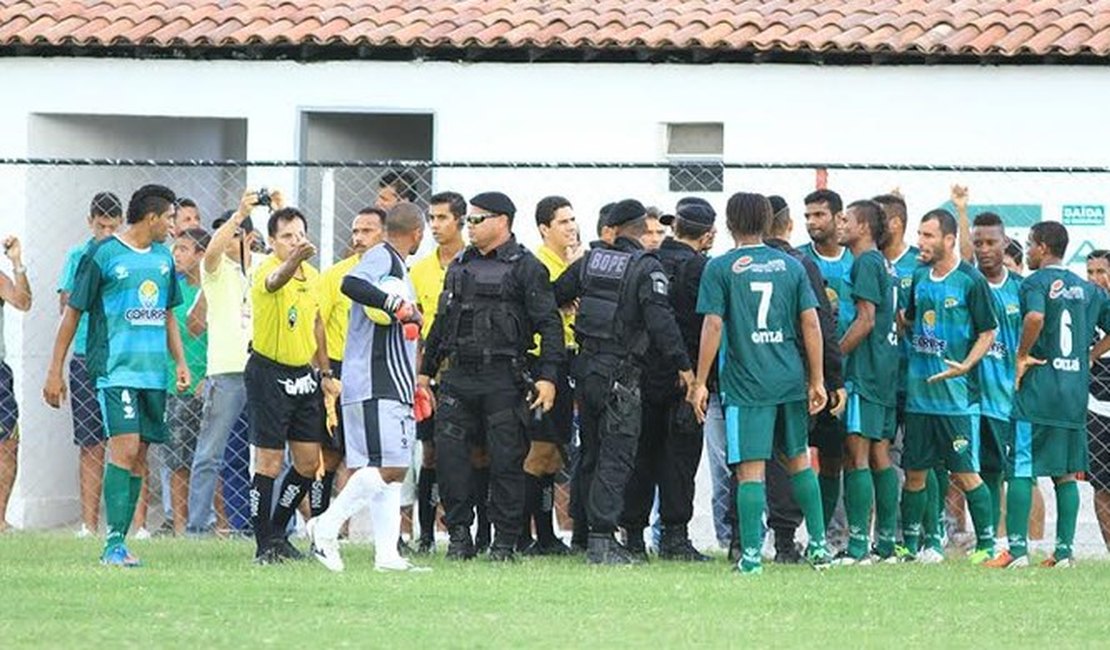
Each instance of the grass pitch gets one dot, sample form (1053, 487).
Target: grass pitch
(200, 594)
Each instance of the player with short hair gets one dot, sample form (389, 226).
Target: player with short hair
(761, 298)
(996, 370)
(870, 346)
(127, 285)
(379, 393)
(952, 326)
(1060, 311)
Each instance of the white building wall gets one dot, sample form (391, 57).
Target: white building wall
(594, 112)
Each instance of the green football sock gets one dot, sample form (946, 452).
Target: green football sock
(979, 505)
(886, 509)
(993, 481)
(1019, 501)
(913, 508)
(830, 494)
(117, 495)
(134, 490)
(859, 493)
(807, 492)
(1067, 511)
(751, 501)
(937, 479)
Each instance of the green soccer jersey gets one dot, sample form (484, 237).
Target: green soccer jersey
(996, 370)
(836, 272)
(760, 294)
(1055, 394)
(195, 347)
(872, 367)
(126, 293)
(948, 315)
(904, 267)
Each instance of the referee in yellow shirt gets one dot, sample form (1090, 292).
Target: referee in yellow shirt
(445, 213)
(552, 432)
(335, 311)
(284, 398)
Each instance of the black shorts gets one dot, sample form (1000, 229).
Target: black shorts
(1098, 441)
(283, 403)
(827, 433)
(557, 424)
(335, 440)
(88, 422)
(9, 410)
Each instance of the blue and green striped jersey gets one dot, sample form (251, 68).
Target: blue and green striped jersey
(126, 293)
(836, 272)
(65, 285)
(1055, 393)
(997, 369)
(904, 267)
(948, 315)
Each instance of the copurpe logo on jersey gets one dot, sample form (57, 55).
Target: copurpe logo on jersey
(148, 314)
(927, 342)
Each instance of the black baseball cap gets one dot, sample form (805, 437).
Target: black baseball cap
(625, 211)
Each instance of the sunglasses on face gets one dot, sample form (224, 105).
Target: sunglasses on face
(476, 219)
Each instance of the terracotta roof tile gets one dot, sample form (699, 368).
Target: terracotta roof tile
(938, 27)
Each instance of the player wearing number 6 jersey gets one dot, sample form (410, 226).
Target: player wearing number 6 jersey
(760, 299)
(952, 327)
(1059, 313)
(870, 345)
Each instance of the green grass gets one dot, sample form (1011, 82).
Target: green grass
(201, 594)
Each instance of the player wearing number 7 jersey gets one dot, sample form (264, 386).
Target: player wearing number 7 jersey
(760, 299)
(1059, 313)
(870, 345)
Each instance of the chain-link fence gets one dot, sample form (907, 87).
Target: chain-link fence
(46, 203)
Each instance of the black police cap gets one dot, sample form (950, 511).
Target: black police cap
(495, 202)
(692, 209)
(625, 211)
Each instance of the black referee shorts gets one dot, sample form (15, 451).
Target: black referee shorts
(283, 403)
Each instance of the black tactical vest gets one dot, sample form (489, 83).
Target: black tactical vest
(485, 323)
(599, 325)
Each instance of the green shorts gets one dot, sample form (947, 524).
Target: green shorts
(1045, 450)
(755, 432)
(134, 410)
(994, 437)
(869, 419)
(932, 441)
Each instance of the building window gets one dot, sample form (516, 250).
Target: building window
(696, 150)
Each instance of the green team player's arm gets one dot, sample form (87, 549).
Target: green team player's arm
(177, 352)
(959, 368)
(1031, 327)
(708, 346)
(860, 328)
(815, 354)
(54, 391)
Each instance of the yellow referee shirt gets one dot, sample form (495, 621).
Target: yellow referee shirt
(555, 267)
(427, 278)
(284, 321)
(335, 308)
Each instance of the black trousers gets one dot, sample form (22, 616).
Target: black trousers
(482, 405)
(609, 428)
(667, 456)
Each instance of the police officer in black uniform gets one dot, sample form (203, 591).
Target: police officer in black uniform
(671, 436)
(496, 297)
(623, 307)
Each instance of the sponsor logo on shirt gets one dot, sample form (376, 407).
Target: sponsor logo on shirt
(767, 336)
(928, 343)
(291, 317)
(951, 302)
(1065, 365)
(745, 264)
(149, 314)
(120, 271)
(1058, 290)
(997, 350)
(1012, 309)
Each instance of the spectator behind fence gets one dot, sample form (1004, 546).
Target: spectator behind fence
(395, 187)
(225, 310)
(187, 217)
(183, 409)
(1098, 408)
(16, 291)
(105, 217)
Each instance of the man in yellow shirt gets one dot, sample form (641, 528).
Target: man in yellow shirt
(550, 434)
(284, 395)
(335, 311)
(445, 213)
